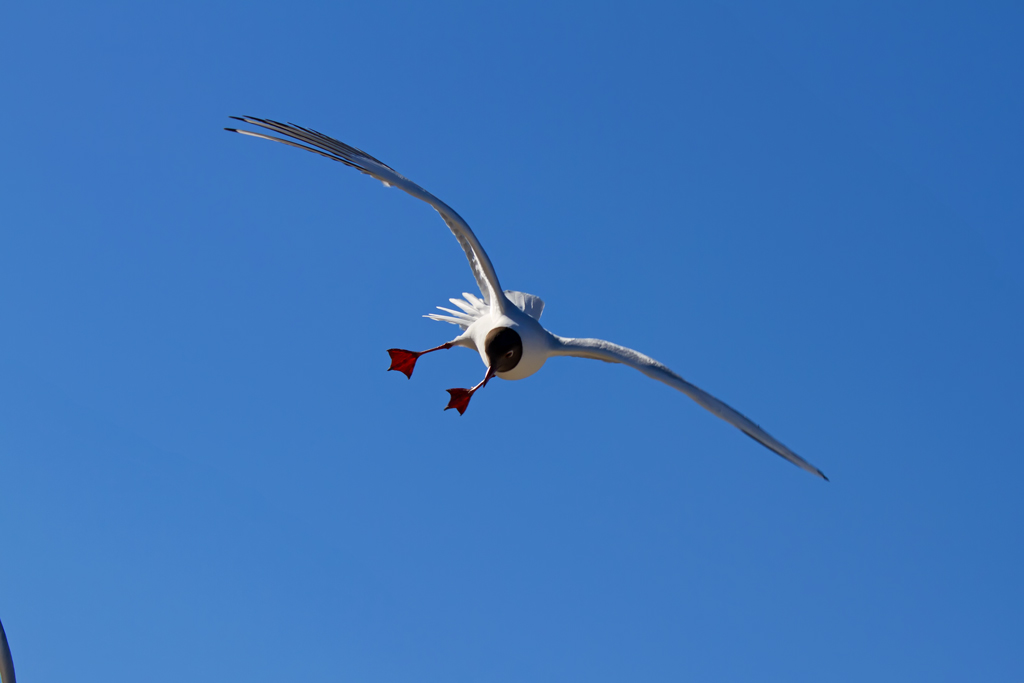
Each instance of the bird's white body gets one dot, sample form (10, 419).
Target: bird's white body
(505, 309)
(538, 343)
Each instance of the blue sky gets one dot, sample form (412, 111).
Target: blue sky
(813, 213)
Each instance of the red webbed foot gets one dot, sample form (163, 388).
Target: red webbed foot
(403, 361)
(460, 399)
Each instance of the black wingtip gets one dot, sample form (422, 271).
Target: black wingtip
(822, 475)
(237, 118)
(231, 130)
(6, 661)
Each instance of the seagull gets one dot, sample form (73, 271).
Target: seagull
(6, 662)
(504, 325)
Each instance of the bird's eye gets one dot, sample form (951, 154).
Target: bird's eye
(508, 355)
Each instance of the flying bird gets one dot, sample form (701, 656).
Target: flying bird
(504, 325)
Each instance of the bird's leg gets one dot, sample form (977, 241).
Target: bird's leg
(405, 361)
(460, 397)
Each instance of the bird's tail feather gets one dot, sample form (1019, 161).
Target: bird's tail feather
(472, 308)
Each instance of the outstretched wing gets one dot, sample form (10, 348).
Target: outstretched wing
(613, 353)
(318, 143)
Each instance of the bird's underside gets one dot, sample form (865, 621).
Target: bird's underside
(499, 344)
(503, 325)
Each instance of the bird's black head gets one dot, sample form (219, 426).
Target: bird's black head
(504, 348)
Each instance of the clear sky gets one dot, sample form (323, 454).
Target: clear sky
(815, 214)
